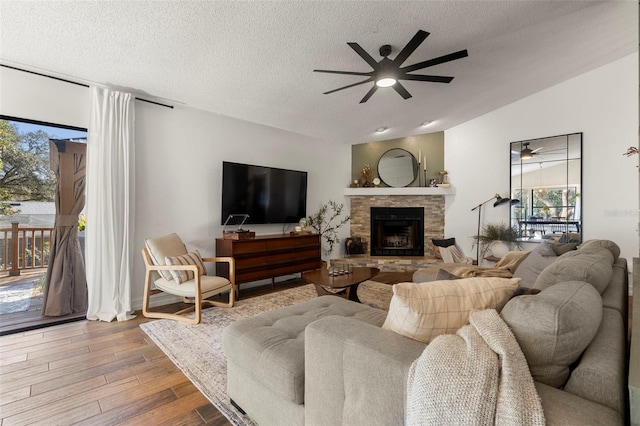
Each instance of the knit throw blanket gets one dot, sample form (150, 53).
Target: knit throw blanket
(478, 376)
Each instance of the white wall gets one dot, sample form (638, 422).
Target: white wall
(179, 154)
(603, 104)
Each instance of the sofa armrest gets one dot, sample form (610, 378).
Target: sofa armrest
(356, 373)
(634, 357)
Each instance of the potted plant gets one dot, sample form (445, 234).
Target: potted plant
(326, 222)
(499, 237)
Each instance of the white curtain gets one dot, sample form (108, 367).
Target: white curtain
(110, 195)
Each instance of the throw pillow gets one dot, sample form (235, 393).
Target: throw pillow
(554, 327)
(560, 249)
(444, 242)
(192, 258)
(592, 246)
(161, 247)
(596, 269)
(538, 259)
(424, 311)
(444, 275)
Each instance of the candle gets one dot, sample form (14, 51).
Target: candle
(419, 155)
(425, 163)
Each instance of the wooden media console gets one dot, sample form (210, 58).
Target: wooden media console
(269, 256)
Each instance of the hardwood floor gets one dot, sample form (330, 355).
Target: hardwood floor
(97, 373)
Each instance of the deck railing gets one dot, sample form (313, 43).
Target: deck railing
(24, 248)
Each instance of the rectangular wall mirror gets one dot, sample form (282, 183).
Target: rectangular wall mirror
(546, 176)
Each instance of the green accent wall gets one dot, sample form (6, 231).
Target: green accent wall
(431, 145)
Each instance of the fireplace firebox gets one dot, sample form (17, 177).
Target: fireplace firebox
(397, 231)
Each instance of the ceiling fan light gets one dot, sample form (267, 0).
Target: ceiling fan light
(526, 154)
(386, 82)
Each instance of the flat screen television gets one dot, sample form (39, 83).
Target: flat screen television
(266, 194)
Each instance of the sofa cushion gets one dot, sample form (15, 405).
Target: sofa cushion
(270, 345)
(591, 246)
(554, 327)
(424, 311)
(596, 269)
(538, 259)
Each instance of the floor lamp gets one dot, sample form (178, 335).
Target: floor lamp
(499, 201)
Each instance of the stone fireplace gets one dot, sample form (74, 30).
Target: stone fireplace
(397, 231)
(432, 221)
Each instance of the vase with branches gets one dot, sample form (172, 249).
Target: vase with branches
(326, 222)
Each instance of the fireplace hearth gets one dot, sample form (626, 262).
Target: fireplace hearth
(397, 231)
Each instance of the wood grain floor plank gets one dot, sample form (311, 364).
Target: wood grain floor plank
(14, 395)
(4, 361)
(160, 368)
(21, 373)
(53, 376)
(139, 392)
(212, 416)
(86, 373)
(67, 404)
(167, 412)
(184, 389)
(134, 347)
(124, 413)
(64, 405)
(189, 418)
(22, 364)
(72, 416)
(45, 398)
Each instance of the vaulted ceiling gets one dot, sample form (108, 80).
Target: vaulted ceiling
(254, 60)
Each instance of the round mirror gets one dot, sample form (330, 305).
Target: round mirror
(397, 167)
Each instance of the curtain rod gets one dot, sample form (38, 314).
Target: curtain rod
(77, 84)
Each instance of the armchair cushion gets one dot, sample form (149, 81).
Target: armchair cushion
(161, 247)
(192, 258)
(188, 288)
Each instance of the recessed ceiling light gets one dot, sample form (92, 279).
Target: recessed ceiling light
(382, 129)
(426, 123)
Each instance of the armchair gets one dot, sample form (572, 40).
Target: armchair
(171, 269)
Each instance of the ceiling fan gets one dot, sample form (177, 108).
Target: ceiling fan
(527, 153)
(387, 72)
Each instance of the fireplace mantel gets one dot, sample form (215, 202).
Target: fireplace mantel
(408, 190)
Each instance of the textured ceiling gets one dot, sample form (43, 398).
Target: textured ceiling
(254, 60)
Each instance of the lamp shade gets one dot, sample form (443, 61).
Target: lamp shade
(500, 201)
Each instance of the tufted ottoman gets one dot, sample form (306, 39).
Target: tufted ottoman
(265, 356)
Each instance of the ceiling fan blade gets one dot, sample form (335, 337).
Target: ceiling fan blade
(343, 72)
(350, 85)
(401, 90)
(435, 61)
(410, 47)
(537, 149)
(431, 78)
(364, 55)
(369, 94)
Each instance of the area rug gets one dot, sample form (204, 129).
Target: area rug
(197, 349)
(15, 298)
